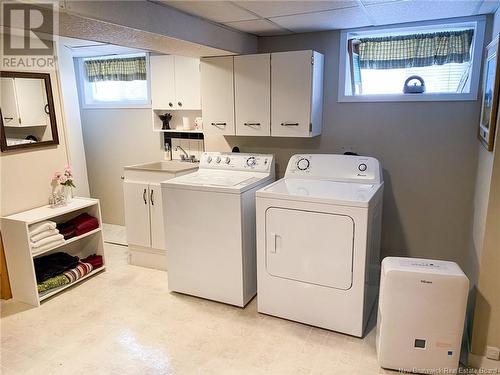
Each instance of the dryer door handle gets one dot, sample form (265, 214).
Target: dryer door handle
(276, 242)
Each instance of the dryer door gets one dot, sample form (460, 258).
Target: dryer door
(310, 247)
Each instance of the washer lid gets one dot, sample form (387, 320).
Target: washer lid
(321, 191)
(214, 180)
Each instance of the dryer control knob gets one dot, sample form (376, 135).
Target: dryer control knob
(227, 160)
(303, 164)
(217, 159)
(209, 159)
(362, 167)
(251, 161)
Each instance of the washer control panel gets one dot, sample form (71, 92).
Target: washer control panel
(237, 161)
(348, 168)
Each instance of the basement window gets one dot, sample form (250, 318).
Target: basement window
(115, 81)
(424, 62)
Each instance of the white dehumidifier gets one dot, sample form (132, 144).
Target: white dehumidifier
(421, 315)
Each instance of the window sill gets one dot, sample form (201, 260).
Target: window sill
(407, 98)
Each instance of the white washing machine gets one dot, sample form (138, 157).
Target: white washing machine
(210, 226)
(318, 242)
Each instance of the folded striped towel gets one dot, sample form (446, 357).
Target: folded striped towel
(41, 227)
(50, 245)
(46, 240)
(45, 234)
(78, 272)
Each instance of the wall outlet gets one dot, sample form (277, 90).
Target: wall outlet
(492, 352)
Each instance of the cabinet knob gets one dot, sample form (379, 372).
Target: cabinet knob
(179, 104)
(122, 177)
(170, 104)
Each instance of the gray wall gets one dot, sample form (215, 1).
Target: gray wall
(428, 151)
(113, 139)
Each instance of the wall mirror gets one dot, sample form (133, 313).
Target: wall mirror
(27, 113)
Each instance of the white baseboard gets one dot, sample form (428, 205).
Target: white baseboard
(481, 362)
(147, 257)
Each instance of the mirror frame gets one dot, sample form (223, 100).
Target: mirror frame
(52, 115)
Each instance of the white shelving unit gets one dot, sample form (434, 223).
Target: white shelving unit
(18, 253)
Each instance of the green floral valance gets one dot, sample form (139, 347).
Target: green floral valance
(120, 69)
(416, 50)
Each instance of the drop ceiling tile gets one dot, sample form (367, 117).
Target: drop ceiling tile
(217, 11)
(488, 6)
(412, 11)
(268, 9)
(328, 20)
(259, 27)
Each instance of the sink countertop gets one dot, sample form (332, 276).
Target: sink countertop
(171, 166)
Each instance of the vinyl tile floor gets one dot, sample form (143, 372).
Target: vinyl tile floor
(124, 321)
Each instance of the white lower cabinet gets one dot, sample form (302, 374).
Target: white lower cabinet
(144, 210)
(137, 213)
(156, 217)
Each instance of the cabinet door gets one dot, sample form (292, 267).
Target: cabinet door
(31, 101)
(156, 210)
(137, 220)
(217, 95)
(8, 103)
(162, 82)
(252, 94)
(291, 83)
(187, 83)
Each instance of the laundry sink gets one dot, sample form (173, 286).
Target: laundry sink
(164, 166)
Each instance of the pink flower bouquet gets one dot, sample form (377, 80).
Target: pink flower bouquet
(65, 178)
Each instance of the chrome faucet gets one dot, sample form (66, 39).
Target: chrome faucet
(185, 156)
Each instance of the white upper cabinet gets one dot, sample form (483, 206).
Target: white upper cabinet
(217, 93)
(24, 102)
(278, 94)
(162, 82)
(187, 83)
(252, 94)
(175, 82)
(296, 93)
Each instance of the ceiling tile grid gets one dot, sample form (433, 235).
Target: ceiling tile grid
(264, 18)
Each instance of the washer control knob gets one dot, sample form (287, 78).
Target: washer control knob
(251, 161)
(209, 159)
(217, 159)
(362, 167)
(227, 160)
(303, 164)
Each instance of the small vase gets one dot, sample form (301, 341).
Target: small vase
(68, 194)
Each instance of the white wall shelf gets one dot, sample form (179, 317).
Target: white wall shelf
(17, 245)
(178, 131)
(67, 242)
(59, 290)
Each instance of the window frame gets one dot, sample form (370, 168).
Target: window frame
(84, 85)
(477, 53)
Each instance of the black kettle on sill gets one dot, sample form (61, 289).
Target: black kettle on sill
(414, 85)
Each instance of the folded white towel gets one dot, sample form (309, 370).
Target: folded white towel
(48, 246)
(41, 227)
(41, 236)
(47, 240)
